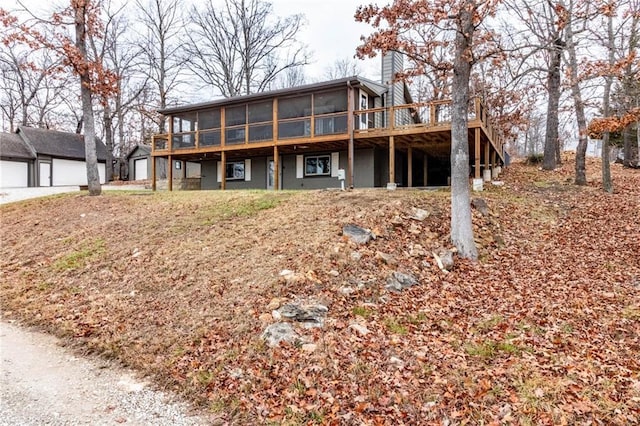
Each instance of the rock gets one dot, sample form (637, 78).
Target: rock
(308, 315)
(265, 318)
(397, 220)
(333, 273)
(386, 258)
(419, 214)
(444, 259)
(347, 290)
(280, 332)
(413, 229)
(397, 362)
(356, 256)
(309, 347)
(480, 205)
(274, 304)
(416, 250)
(357, 234)
(276, 315)
(399, 281)
(359, 328)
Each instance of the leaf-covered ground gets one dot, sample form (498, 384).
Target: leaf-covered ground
(543, 329)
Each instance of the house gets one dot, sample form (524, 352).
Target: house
(351, 131)
(139, 161)
(41, 157)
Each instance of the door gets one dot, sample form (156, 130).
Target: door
(45, 174)
(14, 174)
(140, 169)
(271, 171)
(364, 104)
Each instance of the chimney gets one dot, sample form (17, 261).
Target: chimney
(392, 63)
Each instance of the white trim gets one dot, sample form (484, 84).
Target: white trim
(335, 163)
(247, 170)
(219, 170)
(299, 166)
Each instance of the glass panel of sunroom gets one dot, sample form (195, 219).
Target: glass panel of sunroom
(209, 119)
(261, 112)
(328, 102)
(234, 116)
(299, 106)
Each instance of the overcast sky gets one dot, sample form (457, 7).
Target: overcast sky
(331, 32)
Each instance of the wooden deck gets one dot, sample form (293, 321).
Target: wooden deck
(418, 127)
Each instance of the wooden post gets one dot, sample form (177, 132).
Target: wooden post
(223, 172)
(426, 169)
(276, 169)
(350, 148)
(170, 173)
(410, 167)
(477, 154)
(487, 167)
(223, 135)
(153, 173)
(392, 160)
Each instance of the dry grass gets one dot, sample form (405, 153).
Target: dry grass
(177, 285)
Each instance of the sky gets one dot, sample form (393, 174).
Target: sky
(330, 33)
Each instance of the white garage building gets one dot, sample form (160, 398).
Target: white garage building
(40, 157)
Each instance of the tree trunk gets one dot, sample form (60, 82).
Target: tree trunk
(461, 225)
(607, 184)
(553, 87)
(108, 135)
(93, 178)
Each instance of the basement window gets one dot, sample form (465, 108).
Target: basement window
(317, 165)
(235, 171)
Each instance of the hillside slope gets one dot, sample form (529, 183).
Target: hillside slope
(543, 329)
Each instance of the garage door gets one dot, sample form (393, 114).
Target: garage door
(68, 172)
(13, 174)
(140, 169)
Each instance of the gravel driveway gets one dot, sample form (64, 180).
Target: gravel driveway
(42, 383)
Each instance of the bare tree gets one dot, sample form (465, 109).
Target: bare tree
(241, 48)
(162, 46)
(345, 67)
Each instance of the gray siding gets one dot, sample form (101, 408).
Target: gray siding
(258, 175)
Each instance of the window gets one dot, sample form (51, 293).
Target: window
(261, 112)
(185, 122)
(235, 171)
(235, 116)
(209, 119)
(294, 107)
(317, 165)
(329, 102)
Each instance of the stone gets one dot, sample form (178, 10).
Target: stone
(480, 205)
(308, 315)
(399, 281)
(444, 259)
(265, 317)
(415, 230)
(356, 256)
(274, 304)
(280, 332)
(397, 362)
(276, 315)
(347, 290)
(309, 347)
(419, 214)
(334, 273)
(416, 250)
(386, 258)
(397, 220)
(357, 234)
(359, 328)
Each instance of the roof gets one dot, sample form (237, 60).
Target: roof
(59, 144)
(12, 145)
(373, 87)
(142, 149)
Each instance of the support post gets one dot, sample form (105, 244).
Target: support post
(223, 172)
(276, 168)
(153, 173)
(494, 168)
(350, 126)
(170, 174)
(486, 173)
(410, 167)
(392, 163)
(477, 154)
(426, 170)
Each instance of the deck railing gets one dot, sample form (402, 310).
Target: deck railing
(434, 115)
